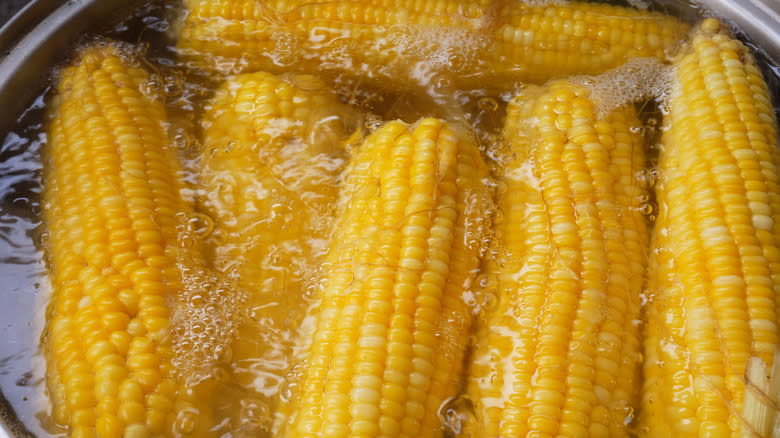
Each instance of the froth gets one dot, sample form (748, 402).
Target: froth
(417, 52)
(440, 48)
(637, 80)
(204, 323)
(639, 4)
(545, 3)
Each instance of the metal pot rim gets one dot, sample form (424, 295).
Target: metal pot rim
(759, 20)
(26, 67)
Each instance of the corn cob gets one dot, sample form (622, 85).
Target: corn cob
(392, 326)
(534, 42)
(463, 43)
(559, 353)
(273, 148)
(715, 269)
(376, 40)
(111, 203)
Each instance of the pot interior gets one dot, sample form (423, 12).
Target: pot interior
(26, 84)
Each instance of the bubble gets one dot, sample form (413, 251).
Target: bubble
(288, 389)
(455, 321)
(639, 4)
(648, 209)
(198, 327)
(487, 280)
(500, 188)
(490, 300)
(196, 300)
(498, 217)
(648, 178)
(185, 344)
(256, 413)
(181, 216)
(21, 202)
(223, 354)
(487, 104)
(629, 418)
(254, 314)
(372, 123)
(455, 413)
(220, 374)
(442, 82)
(637, 80)
(184, 141)
(173, 85)
(43, 239)
(312, 292)
(285, 48)
(186, 421)
(200, 225)
(213, 152)
(152, 88)
(469, 299)
(455, 61)
(186, 241)
(345, 274)
(212, 309)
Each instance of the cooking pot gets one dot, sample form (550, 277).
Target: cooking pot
(39, 37)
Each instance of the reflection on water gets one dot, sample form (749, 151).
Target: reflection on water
(23, 286)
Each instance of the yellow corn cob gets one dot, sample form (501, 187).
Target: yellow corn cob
(111, 202)
(393, 325)
(273, 149)
(382, 41)
(715, 269)
(537, 42)
(559, 354)
(373, 11)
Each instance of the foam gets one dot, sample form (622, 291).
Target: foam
(637, 80)
(442, 48)
(545, 3)
(419, 52)
(639, 4)
(204, 323)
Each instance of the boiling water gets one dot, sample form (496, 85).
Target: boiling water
(25, 285)
(25, 290)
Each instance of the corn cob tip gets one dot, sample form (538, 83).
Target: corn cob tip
(102, 48)
(710, 25)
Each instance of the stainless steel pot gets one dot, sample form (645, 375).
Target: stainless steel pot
(39, 36)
